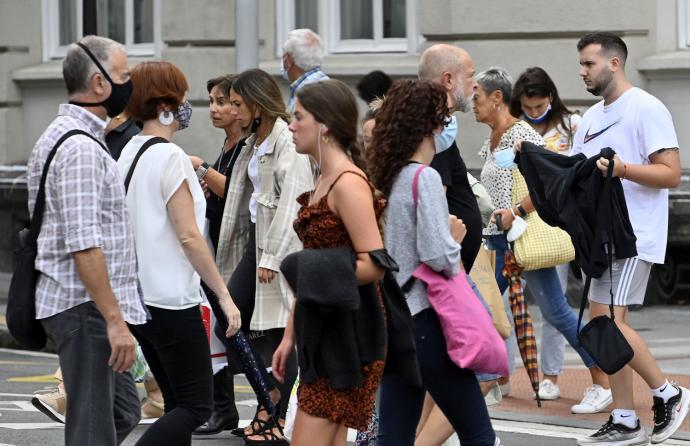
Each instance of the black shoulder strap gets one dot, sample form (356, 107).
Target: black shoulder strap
(39, 205)
(146, 145)
(603, 218)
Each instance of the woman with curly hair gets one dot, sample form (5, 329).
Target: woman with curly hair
(421, 232)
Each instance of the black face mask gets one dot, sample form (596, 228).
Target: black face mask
(255, 125)
(119, 95)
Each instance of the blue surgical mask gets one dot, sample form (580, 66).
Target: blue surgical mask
(539, 119)
(283, 71)
(446, 137)
(505, 159)
(183, 114)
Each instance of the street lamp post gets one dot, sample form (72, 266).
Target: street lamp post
(246, 35)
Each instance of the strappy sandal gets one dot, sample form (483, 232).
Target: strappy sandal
(257, 425)
(267, 436)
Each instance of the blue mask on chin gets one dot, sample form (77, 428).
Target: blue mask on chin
(540, 119)
(505, 159)
(446, 137)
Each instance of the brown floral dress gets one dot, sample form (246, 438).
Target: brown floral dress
(318, 228)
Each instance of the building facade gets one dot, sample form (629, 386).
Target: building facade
(359, 36)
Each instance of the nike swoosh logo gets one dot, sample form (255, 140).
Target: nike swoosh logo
(589, 137)
(626, 416)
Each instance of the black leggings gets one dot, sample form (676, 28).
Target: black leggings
(176, 348)
(242, 287)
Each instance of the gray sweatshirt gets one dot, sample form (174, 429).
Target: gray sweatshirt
(421, 233)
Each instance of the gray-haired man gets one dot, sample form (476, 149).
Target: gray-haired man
(301, 61)
(88, 290)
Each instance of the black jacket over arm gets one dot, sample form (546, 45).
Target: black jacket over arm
(567, 192)
(340, 326)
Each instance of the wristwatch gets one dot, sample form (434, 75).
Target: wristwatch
(201, 170)
(521, 210)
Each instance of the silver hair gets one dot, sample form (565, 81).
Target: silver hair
(496, 78)
(77, 66)
(305, 47)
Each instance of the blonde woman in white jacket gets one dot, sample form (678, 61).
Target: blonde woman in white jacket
(257, 233)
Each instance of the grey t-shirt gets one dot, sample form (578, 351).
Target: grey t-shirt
(421, 233)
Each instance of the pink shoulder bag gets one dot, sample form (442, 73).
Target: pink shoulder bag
(471, 339)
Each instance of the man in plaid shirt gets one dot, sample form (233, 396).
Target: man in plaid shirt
(88, 289)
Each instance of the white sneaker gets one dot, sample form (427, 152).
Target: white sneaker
(595, 400)
(548, 390)
(505, 388)
(493, 396)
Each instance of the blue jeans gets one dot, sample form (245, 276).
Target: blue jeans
(546, 288)
(455, 391)
(552, 349)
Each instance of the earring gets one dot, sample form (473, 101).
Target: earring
(166, 118)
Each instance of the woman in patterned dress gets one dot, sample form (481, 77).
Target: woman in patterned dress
(492, 107)
(342, 211)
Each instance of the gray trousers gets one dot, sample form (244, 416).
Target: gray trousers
(102, 405)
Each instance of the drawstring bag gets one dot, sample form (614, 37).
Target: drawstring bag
(601, 337)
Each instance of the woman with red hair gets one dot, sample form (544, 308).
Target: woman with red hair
(167, 210)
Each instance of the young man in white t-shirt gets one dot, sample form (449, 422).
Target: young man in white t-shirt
(640, 129)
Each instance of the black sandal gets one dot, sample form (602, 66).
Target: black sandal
(268, 438)
(257, 425)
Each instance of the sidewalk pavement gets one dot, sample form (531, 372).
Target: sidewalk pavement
(521, 406)
(664, 328)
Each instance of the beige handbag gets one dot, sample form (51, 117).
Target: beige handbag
(483, 275)
(541, 245)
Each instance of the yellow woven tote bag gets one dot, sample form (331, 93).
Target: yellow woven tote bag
(541, 245)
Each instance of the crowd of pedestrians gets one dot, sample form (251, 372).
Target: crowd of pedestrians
(307, 239)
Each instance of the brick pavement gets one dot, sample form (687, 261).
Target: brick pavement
(572, 383)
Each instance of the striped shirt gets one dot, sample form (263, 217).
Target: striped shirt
(84, 208)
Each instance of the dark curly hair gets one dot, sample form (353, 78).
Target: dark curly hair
(411, 111)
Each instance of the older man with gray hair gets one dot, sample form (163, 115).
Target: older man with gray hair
(452, 68)
(87, 291)
(301, 61)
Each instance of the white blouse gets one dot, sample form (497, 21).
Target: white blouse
(168, 280)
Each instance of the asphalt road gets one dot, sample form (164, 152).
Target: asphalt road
(21, 373)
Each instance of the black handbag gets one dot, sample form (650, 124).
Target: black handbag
(601, 337)
(21, 299)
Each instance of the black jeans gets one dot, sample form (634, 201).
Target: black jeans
(242, 287)
(176, 348)
(455, 391)
(103, 406)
